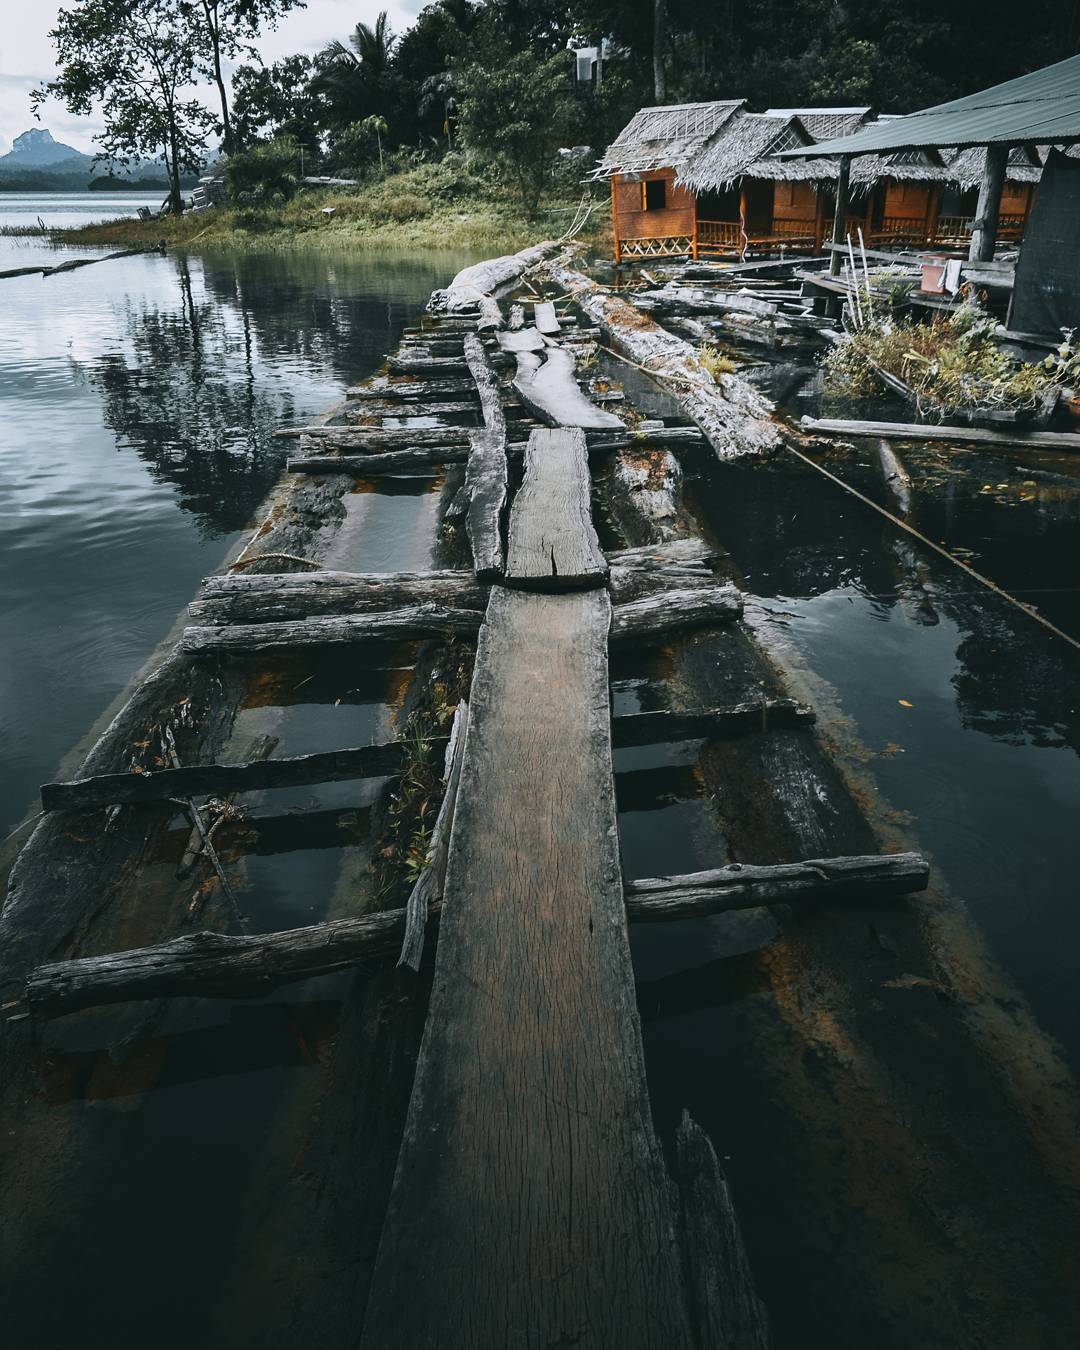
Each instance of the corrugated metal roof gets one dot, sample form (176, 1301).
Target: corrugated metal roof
(1041, 107)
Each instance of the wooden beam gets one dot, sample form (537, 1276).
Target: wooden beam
(239, 597)
(840, 213)
(213, 965)
(396, 625)
(985, 228)
(743, 885)
(544, 318)
(740, 719)
(220, 780)
(674, 611)
(386, 464)
(551, 543)
(917, 431)
(375, 438)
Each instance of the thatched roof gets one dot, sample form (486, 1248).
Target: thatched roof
(712, 145)
(744, 148)
(664, 138)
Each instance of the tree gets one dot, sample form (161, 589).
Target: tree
(355, 78)
(228, 27)
(275, 100)
(138, 60)
(517, 108)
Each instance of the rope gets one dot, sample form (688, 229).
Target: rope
(942, 552)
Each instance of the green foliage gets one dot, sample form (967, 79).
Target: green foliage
(516, 108)
(274, 101)
(267, 175)
(952, 365)
(137, 62)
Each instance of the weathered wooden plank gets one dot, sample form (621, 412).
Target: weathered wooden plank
(740, 719)
(375, 438)
(531, 1205)
(396, 625)
(673, 611)
(210, 965)
(200, 780)
(427, 365)
(700, 893)
(270, 597)
(381, 465)
(485, 469)
(522, 340)
(214, 964)
(545, 319)
(410, 391)
(549, 390)
(917, 431)
(551, 541)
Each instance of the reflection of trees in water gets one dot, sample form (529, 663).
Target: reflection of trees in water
(201, 384)
(791, 533)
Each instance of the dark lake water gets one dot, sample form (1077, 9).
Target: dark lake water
(137, 400)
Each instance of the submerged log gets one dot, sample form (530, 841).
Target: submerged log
(743, 885)
(219, 780)
(651, 728)
(396, 625)
(549, 390)
(735, 418)
(212, 965)
(552, 545)
(673, 611)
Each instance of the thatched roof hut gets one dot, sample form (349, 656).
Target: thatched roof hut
(664, 138)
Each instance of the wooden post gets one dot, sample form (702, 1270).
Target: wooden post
(694, 242)
(839, 228)
(744, 237)
(819, 217)
(933, 213)
(984, 231)
(615, 220)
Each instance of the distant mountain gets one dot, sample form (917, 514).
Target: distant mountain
(38, 149)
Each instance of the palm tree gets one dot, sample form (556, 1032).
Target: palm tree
(378, 125)
(353, 77)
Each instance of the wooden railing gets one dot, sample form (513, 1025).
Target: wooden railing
(714, 234)
(656, 246)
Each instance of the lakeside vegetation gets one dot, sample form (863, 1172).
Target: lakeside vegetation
(440, 205)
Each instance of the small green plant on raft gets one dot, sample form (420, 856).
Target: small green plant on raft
(951, 365)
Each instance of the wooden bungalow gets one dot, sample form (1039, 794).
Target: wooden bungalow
(703, 179)
(698, 179)
(930, 196)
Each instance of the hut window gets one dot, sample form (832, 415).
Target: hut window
(653, 194)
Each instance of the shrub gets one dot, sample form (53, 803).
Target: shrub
(266, 175)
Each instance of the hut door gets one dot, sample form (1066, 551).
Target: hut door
(758, 199)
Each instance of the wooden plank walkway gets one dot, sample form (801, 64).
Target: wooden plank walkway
(530, 1205)
(552, 543)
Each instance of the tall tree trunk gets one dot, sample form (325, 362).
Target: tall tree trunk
(172, 169)
(214, 33)
(659, 50)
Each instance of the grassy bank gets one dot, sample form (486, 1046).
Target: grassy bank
(427, 207)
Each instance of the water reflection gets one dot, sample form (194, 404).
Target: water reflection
(137, 400)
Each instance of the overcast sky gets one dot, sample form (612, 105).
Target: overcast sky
(27, 58)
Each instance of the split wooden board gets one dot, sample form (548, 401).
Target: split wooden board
(552, 544)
